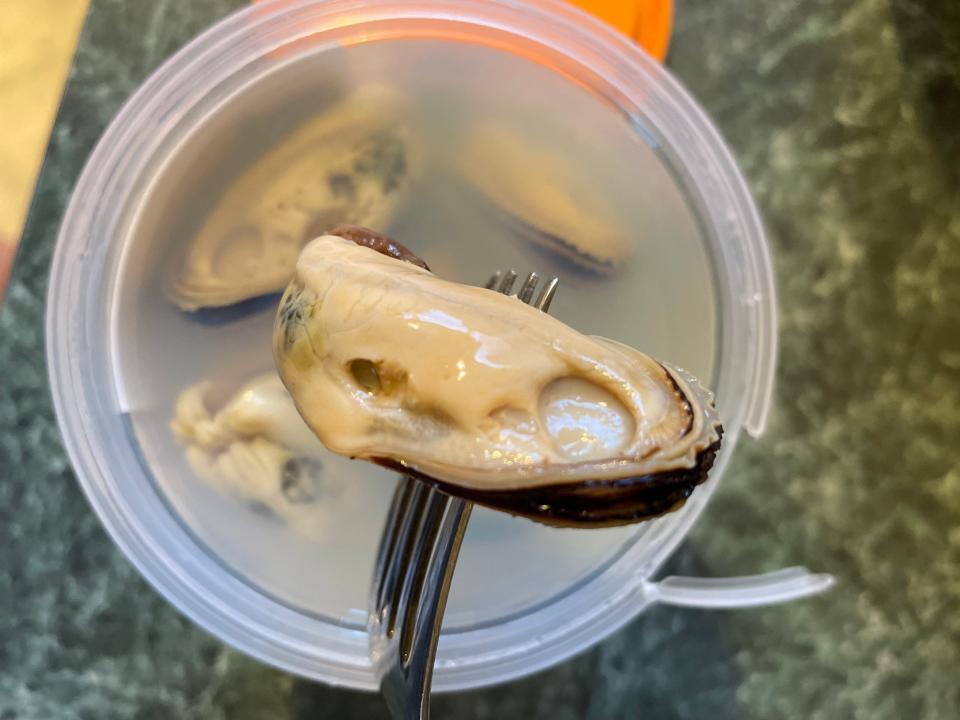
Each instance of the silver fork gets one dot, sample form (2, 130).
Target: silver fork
(415, 563)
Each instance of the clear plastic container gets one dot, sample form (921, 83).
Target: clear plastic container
(104, 331)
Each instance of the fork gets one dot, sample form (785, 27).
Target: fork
(415, 563)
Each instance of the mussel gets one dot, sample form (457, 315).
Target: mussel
(544, 198)
(482, 395)
(353, 163)
(257, 448)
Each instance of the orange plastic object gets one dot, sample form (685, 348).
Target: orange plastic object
(649, 22)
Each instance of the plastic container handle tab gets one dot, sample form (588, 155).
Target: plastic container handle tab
(747, 591)
(648, 22)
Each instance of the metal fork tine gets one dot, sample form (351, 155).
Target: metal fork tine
(546, 295)
(507, 284)
(391, 535)
(529, 285)
(415, 591)
(436, 583)
(407, 537)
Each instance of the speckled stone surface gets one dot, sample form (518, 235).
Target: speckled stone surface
(845, 116)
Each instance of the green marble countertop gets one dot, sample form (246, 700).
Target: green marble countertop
(845, 117)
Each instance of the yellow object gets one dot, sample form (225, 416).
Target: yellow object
(37, 38)
(649, 22)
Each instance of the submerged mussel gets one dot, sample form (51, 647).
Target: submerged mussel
(545, 199)
(352, 163)
(482, 395)
(257, 448)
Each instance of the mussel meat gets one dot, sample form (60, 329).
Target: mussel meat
(482, 395)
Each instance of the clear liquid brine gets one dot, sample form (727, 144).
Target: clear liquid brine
(641, 276)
